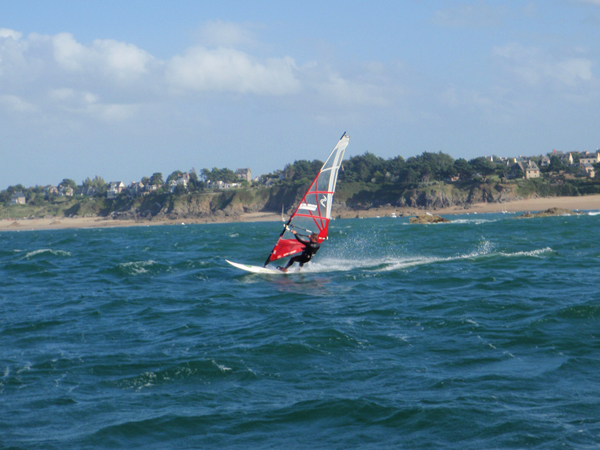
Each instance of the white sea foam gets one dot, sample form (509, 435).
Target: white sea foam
(533, 253)
(474, 221)
(221, 367)
(47, 250)
(486, 249)
(137, 267)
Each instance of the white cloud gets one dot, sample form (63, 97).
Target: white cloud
(7, 33)
(229, 70)
(534, 66)
(111, 80)
(122, 61)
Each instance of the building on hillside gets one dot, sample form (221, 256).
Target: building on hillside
(18, 198)
(545, 162)
(114, 189)
(529, 168)
(589, 158)
(587, 169)
(50, 190)
(566, 158)
(244, 174)
(65, 191)
(135, 188)
(569, 159)
(181, 181)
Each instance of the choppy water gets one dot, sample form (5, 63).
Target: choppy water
(483, 333)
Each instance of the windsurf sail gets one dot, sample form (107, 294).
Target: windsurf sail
(314, 211)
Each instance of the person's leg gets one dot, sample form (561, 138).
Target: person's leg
(292, 261)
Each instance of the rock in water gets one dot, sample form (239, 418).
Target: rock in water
(426, 218)
(551, 212)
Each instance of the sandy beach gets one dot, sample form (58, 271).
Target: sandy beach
(589, 202)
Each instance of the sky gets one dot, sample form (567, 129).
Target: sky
(124, 89)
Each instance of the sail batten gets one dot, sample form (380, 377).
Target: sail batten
(314, 210)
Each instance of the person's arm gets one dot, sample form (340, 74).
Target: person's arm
(298, 239)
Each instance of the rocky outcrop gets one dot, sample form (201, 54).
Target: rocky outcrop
(428, 218)
(446, 196)
(551, 212)
(427, 199)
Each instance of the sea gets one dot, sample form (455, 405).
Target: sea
(483, 333)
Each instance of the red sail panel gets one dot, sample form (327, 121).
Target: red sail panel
(314, 211)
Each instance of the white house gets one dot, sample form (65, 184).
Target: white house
(18, 198)
(114, 189)
(589, 158)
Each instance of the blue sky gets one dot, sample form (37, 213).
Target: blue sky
(125, 89)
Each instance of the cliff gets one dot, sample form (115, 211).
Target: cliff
(350, 198)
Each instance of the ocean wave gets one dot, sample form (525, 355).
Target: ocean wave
(46, 250)
(136, 267)
(474, 221)
(207, 370)
(533, 253)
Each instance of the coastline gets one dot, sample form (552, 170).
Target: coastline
(587, 202)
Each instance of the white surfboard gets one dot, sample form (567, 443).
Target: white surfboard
(256, 269)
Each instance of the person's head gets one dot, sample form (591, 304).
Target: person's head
(314, 237)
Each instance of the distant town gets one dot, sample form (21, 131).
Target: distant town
(399, 175)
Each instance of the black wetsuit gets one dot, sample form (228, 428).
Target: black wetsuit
(310, 248)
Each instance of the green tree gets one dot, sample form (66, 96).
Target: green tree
(394, 166)
(157, 179)
(67, 182)
(463, 169)
(174, 176)
(97, 183)
(216, 174)
(483, 166)
(362, 168)
(302, 169)
(556, 164)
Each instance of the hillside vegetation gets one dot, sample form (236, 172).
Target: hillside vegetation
(431, 181)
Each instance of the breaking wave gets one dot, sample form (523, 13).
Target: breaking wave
(46, 250)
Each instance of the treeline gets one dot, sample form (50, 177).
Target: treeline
(366, 168)
(427, 167)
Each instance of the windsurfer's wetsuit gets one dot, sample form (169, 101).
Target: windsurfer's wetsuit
(310, 248)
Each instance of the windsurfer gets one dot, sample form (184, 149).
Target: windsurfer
(310, 248)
